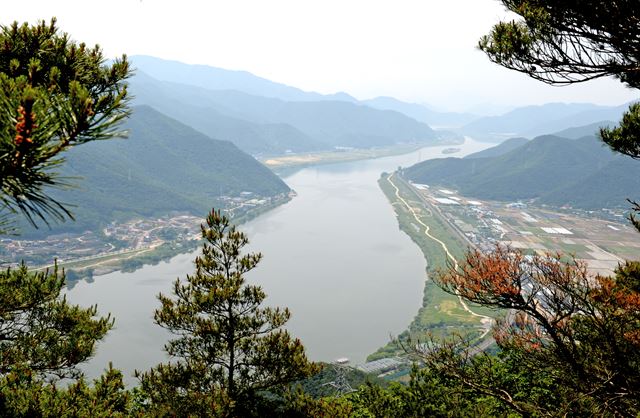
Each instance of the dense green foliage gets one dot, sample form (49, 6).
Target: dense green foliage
(317, 386)
(39, 329)
(54, 94)
(572, 347)
(626, 137)
(23, 396)
(567, 42)
(551, 170)
(574, 338)
(230, 350)
(163, 167)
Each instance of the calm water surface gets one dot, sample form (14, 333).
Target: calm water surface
(334, 255)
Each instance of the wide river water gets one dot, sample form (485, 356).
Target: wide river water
(334, 256)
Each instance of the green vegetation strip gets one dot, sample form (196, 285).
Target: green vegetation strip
(441, 314)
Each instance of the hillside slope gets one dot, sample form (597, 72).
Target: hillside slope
(422, 113)
(550, 170)
(163, 166)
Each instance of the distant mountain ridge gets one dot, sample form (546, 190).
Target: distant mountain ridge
(588, 130)
(262, 125)
(422, 113)
(213, 78)
(533, 121)
(193, 107)
(550, 170)
(249, 99)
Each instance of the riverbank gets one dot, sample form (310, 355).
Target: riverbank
(337, 241)
(131, 259)
(441, 314)
(284, 164)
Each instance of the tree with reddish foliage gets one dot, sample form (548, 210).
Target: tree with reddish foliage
(573, 345)
(574, 336)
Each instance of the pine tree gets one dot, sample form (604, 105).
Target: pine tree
(230, 349)
(41, 331)
(572, 41)
(54, 94)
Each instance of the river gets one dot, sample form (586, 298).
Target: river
(334, 256)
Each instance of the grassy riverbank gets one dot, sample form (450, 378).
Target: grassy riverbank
(441, 314)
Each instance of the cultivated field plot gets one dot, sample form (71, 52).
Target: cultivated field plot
(603, 244)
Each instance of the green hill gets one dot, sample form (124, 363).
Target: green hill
(550, 170)
(164, 166)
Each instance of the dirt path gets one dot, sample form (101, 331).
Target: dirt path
(486, 320)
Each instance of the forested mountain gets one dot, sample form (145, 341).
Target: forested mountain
(532, 121)
(163, 166)
(551, 170)
(263, 125)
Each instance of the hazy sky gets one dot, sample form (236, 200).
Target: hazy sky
(416, 50)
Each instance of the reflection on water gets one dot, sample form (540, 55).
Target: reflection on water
(334, 255)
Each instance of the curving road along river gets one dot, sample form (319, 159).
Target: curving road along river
(486, 320)
(334, 255)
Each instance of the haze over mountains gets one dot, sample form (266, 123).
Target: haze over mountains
(533, 121)
(224, 88)
(212, 78)
(266, 125)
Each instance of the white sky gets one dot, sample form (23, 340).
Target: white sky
(415, 50)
